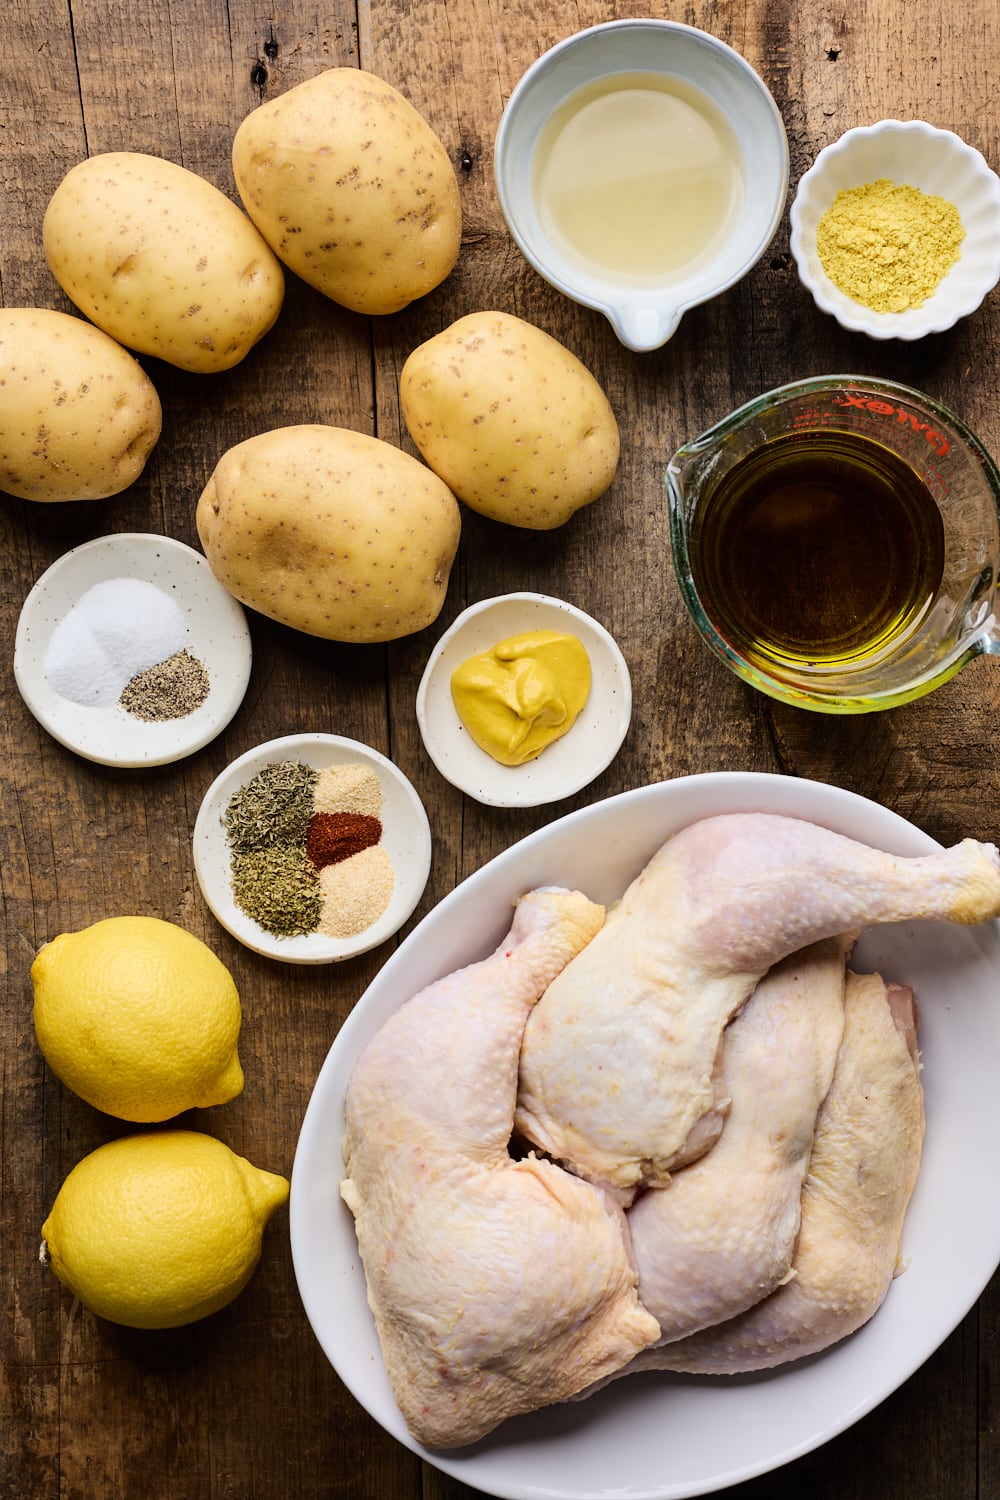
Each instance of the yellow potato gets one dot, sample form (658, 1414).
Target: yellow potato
(352, 189)
(80, 415)
(161, 260)
(510, 419)
(330, 531)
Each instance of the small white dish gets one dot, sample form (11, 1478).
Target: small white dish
(645, 313)
(406, 838)
(216, 633)
(663, 1436)
(910, 153)
(564, 766)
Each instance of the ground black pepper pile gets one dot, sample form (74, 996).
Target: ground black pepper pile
(171, 689)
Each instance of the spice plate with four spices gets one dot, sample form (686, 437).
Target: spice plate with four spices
(130, 653)
(312, 848)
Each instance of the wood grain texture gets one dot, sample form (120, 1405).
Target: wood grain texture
(245, 1406)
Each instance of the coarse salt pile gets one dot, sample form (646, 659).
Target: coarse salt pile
(116, 629)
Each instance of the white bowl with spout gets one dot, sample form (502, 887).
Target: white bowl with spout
(645, 309)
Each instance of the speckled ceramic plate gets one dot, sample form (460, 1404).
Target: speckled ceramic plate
(406, 839)
(214, 631)
(663, 1436)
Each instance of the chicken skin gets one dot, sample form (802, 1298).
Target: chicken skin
(722, 1234)
(620, 1075)
(862, 1172)
(497, 1285)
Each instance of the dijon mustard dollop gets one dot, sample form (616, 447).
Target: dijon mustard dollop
(522, 694)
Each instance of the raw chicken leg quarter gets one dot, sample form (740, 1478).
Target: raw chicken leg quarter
(722, 1234)
(497, 1285)
(862, 1172)
(620, 1073)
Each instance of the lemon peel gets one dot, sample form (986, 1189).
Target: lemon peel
(138, 1017)
(160, 1228)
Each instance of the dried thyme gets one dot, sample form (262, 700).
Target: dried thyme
(278, 889)
(273, 808)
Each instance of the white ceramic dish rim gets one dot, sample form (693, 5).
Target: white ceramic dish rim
(697, 1437)
(940, 312)
(217, 634)
(406, 836)
(643, 318)
(564, 767)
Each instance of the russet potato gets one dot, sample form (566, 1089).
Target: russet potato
(330, 531)
(80, 415)
(511, 420)
(162, 260)
(352, 189)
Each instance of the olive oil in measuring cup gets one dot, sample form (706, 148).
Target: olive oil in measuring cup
(637, 176)
(819, 549)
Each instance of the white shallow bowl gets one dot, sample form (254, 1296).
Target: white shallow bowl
(217, 634)
(563, 767)
(668, 1437)
(910, 153)
(406, 838)
(645, 315)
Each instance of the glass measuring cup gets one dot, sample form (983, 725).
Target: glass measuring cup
(907, 437)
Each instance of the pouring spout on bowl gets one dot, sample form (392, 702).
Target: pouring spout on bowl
(644, 328)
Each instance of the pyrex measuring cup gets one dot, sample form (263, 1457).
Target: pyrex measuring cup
(938, 458)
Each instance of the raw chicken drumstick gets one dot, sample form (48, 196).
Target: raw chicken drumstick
(497, 1285)
(721, 1235)
(864, 1165)
(620, 1066)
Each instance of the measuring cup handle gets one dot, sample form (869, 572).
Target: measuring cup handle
(989, 641)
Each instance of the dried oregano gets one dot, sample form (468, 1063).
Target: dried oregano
(277, 888)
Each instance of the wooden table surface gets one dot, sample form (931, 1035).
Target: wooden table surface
(245, 1404)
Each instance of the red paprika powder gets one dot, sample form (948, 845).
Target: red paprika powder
(331, 837)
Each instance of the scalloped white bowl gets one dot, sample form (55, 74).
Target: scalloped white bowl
(914, 154)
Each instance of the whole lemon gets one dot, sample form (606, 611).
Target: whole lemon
(161, 1228)
(138, 1017)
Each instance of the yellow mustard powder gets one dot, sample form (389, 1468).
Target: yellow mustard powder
(888, 246)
